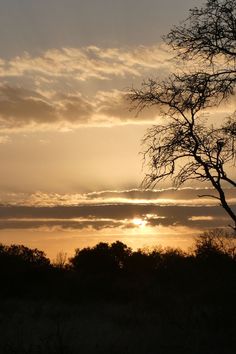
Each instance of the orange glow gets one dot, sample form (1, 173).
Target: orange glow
(139, 222)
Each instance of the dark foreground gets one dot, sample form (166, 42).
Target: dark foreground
(111, 300)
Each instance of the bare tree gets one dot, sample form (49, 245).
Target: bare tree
(208, 37)
(61, 260)
(185, 147)
(209, 32)
(216, 242)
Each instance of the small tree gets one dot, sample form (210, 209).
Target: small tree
(185, 147)
(18, 257)
(215, 243)
(61, 260)
(102, 258)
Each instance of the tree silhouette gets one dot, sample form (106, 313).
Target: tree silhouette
(102, 258)
(207, 33)
(19, 255)
(215, 244)
(185, 147)
(61, 260)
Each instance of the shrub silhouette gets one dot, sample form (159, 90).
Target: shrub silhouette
(23, 271)
(102, 258)
(140, 262)
(120, 252)
(16, 257)
(215, 245)
(114, 271)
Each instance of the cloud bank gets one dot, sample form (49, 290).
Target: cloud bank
(65, 88)
(88, 62)
(114, 209)
(69, 87)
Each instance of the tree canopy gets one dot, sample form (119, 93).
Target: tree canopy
(186, 147)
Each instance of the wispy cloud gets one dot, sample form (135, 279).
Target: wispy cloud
(157, 197)
(112, 209)
(22, 108)
(48, 91)
(88, 62)
(4, 139)
(116, 216)
(62, 89)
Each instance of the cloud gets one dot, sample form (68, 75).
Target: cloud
(58, 225)
(181, 196)
(74, 108)
(5, 139)
(20, 107)
(62, 89)
(99, 213)
(88, 62)
(115, 106)
(163, 197)
(47, 91)
(116, 216)
(28, 109)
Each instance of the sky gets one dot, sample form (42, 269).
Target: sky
(70, 146)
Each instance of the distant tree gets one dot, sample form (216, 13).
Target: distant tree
(217, 243)
(61, 260)
(19, 254)
(140, 262)
(120, 252)
(102, 258)
(185, 147)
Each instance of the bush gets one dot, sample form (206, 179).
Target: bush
(102, 258)
(216, 244)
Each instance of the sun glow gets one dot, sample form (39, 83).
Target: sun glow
(139, 222)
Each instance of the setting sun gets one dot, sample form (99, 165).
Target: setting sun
(139, 222)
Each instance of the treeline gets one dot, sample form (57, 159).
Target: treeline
(115, 272)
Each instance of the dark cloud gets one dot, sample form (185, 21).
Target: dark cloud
(102, 216)
(116, 105)
(54, 78)
(184, 194)
(20, 107)
(58, 224)
(74, 108)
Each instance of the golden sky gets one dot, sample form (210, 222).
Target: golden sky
(69, 144)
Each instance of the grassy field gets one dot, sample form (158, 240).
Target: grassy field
(44, 327)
